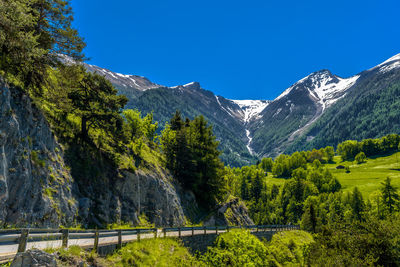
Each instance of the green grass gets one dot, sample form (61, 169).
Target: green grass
(153, 252)
(367, 176)
(288, 247)
(272, 180)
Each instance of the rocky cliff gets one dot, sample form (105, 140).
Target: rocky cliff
(39, 184)
(233, 212)
(124, 199)
(35, 184)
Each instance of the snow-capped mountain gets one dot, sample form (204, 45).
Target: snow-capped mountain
(248, 128)
(124, 81)
(294, 113)
(387, 65)
(322, 85)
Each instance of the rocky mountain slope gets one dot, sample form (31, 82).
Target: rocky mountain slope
(370, 109)
(229, 118)
(298, 107)
(250, 129)
(40, 185)
(35, 185)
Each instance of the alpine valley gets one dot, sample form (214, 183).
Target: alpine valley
(319, 110)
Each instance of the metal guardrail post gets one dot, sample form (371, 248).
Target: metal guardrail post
(179, 231)
(23, 240)
(205, 230)
(96, 240)
(227, 228)
(165, 232)
(138, 235)
(119, 246)
(216, 230)
(155, 232)
(192, 231)
(64, 236)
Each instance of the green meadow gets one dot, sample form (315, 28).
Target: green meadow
(366, 176)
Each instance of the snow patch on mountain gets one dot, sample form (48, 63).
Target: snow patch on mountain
(122, 80)
(222, 107)
(251, 108)
(392, 59)
(329, 89)
(389, 64)
(249, 138)
(323, 86)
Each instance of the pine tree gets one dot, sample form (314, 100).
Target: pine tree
(244, 189)
(33, 34)
(389, 195)
(176, 121)
(96, 103)
(256, 187)
(309, 219)
(357, 204)
(192, 155)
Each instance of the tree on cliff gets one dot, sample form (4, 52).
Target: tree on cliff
(96, 103)
(192, 155)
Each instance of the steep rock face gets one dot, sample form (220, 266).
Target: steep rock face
(124, 199)
(35, 185)
(234, 212)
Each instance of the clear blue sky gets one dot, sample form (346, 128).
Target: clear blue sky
(250, 49)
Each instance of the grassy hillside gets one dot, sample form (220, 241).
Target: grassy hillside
(367, 176)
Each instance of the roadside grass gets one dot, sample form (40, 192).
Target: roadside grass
(153, 252)
(366, 176)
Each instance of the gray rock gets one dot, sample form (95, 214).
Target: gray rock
(34, 258)
(35, 185)
(233, 212)
(124, 199)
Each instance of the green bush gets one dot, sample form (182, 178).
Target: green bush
(237, 248)
(153, 252)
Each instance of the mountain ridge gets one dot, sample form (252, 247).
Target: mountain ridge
(261, 127)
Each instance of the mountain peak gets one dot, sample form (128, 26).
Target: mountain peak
(389, 64)
(191, 85)
(394, 58)
(323, 86)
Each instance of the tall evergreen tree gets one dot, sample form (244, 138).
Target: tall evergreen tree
(96, 103)
(176, 121)
(357, 204)
(309, 219)
(257, 186)
(389, 195)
